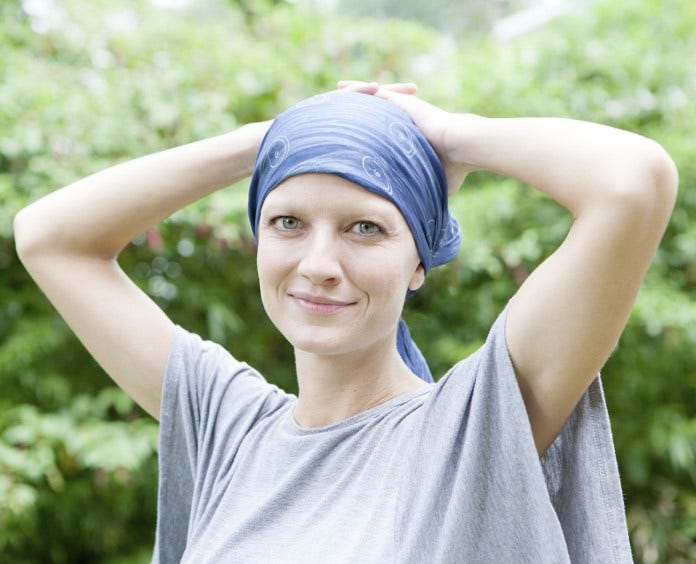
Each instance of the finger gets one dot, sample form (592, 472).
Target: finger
(345, 83)
(402, 87)
(407, 102)
(413, 105)
(357, 85)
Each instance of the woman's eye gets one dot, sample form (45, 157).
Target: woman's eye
(366, 228)
(286, 222)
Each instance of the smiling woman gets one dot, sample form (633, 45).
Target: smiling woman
(372, 461)
(374, 145)
(333, 280)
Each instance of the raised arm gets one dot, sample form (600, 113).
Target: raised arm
(568, 316)
(620, 187)
(69, 242)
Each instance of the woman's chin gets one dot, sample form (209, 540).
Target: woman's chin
(321, 347)
(323, 341)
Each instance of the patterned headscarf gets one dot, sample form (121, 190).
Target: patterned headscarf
(376, 145)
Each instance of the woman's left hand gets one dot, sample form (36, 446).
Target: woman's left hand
(434, 122)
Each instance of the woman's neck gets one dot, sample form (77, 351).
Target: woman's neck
(333, 388)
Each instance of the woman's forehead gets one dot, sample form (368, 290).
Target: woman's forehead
(327, 189)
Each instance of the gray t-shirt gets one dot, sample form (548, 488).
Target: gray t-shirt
(448, 473)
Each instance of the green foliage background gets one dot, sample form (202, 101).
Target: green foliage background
(88, 84)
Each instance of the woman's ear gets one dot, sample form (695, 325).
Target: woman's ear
(418, 278)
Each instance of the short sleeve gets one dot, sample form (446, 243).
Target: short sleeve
(481, 479)
(210, 401)
(583, 481)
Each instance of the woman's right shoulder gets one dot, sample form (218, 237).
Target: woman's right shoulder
(203, 379)
(192, 355)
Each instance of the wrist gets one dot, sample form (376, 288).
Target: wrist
(233, 154)
(250, 137)
(463, 133)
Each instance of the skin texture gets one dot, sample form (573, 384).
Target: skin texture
(562, 323)
(335, 263)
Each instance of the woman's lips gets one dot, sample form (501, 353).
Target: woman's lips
(319, 304)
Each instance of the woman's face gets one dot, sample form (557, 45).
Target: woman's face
(335, 262)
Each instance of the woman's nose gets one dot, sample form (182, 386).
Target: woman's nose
(320, 261)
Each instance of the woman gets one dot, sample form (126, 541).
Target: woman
(370, 463)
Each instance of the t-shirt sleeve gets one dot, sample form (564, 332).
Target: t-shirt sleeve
(582, 478)
(478, 453)
(209, 402)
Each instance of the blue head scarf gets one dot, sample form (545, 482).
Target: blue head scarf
(376, 145)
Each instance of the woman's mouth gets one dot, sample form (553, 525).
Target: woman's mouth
(321, 305)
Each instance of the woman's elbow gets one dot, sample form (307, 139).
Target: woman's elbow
(35, 234)
(665, 177)
(660, 187)
(25, 235)
(645, 187)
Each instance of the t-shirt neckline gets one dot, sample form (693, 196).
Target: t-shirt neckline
(358, 418)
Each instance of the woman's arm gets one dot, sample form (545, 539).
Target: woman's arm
(70, 239)
(620, 187)
(567, 317)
